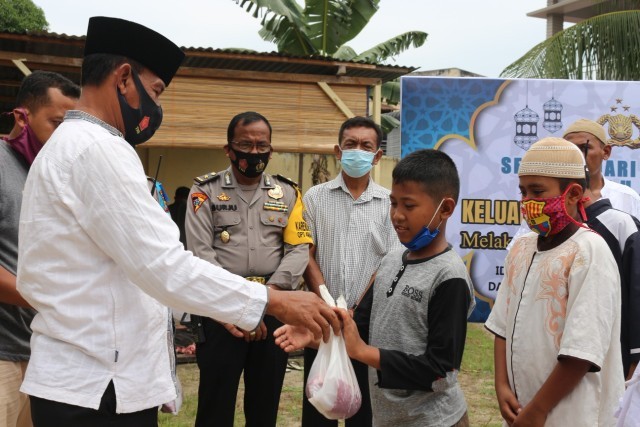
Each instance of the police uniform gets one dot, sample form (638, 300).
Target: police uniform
(264, 238)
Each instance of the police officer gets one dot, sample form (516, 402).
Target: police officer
(251, 224)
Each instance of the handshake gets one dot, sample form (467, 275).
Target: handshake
(305, 312)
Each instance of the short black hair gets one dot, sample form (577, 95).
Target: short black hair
(34, 90)
(182, 193)
(244, 119)
(97, 67)
(360, 122)
(433, 169)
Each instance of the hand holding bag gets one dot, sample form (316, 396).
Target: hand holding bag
(332, 387)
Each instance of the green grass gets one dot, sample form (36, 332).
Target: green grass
(476, 379)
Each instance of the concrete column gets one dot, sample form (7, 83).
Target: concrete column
(555, 22)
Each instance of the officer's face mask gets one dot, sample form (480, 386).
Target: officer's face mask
(250, 165)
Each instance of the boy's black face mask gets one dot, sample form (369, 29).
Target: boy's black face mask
(139, 123)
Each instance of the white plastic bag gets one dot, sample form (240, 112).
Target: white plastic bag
(332, 387)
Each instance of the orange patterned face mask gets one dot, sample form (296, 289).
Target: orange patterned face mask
(548, 216)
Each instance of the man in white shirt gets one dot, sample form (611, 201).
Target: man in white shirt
(591, 138)
(100, 260)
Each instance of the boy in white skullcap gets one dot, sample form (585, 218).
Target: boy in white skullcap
(556, 319)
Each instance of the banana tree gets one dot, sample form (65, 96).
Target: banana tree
(324, 27)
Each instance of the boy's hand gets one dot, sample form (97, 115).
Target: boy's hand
(530, 417)
(291, 338)
(508, 403)
(632, 369)
(350, 334)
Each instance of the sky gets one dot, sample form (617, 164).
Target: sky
(481, 36)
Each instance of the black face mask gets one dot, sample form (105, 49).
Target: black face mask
(250, 165)
(139, 123)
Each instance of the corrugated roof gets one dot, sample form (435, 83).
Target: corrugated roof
(45, 43)
(63, 53)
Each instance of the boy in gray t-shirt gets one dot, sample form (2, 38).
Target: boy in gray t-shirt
(418, 305)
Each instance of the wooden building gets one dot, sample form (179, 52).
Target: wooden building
(305, 99)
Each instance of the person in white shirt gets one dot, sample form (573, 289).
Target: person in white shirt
(556, 319)
(591, 138)
(100, 260)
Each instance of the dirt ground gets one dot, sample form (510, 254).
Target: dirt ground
(476, 379)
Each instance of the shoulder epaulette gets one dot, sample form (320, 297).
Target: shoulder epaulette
(287, 180)
(203, 179)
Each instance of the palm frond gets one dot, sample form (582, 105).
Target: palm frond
(605, 47)
(608, 6)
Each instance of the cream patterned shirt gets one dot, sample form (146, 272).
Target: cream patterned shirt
(562, 302)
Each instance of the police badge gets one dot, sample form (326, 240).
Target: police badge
(276, 192)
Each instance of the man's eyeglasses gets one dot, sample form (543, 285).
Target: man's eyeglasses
(584, 148)
(247, 147)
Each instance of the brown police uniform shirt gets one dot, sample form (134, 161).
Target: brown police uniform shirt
(246, 237)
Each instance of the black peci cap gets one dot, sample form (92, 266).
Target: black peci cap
(120, 37)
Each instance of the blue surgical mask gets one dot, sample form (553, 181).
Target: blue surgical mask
(425, 236)
(356, 163)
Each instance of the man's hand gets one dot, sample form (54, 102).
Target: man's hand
(260, 333)
(8, 292)
(299, 308)
(291, 338)
(234, 330)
